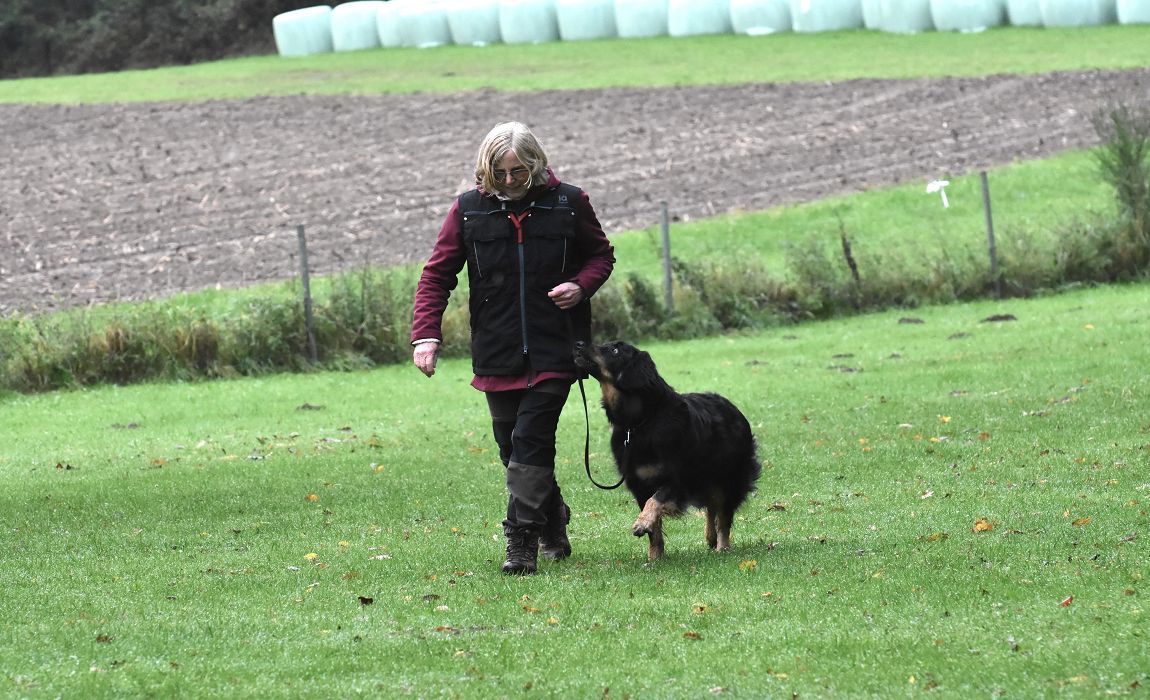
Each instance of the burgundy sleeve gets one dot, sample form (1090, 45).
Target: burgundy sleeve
(600, 255)
(440, 275)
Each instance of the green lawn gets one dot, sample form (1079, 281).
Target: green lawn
(217, 539)
(664, 61)
(952, 506)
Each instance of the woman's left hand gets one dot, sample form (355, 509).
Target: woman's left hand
(566, 295)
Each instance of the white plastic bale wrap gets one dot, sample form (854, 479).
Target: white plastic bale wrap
(967, 15)
(586, 19)
(636, 19)
(528, 21)
(1023, 13)
(353, 25)
(1134, 11)
(424, 24)
(694, 17)
(1078, 13)
(758, 17)
(826, 15)
(474, 22)
(387, 24)
(906, 16)
(303, 32)
(872, 14)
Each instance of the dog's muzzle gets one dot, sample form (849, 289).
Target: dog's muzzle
(584, 355)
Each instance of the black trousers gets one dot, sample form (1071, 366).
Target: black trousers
(524, 423)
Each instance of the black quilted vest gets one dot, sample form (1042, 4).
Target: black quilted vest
(516, 253)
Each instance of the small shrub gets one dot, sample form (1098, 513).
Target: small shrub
(1124, 162)
(820, 282)
(268, 334)
(738, 293)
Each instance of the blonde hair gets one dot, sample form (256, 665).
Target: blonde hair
(514, 137)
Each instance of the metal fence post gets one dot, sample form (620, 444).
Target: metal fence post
(305, 278)
(990, 235)
(668, 280)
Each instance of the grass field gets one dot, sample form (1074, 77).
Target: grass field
(952, 505)
(662, 61)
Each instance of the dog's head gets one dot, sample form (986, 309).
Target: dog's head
(619, 365)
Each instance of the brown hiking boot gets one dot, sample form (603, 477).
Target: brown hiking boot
(522, 548)
(553, 542)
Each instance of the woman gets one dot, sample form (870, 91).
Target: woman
(535, 254)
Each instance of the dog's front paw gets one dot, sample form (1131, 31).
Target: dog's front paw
(643, 526)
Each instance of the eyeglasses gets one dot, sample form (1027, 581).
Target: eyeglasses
(515, 173)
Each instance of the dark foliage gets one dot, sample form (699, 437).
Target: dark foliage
(55, 37)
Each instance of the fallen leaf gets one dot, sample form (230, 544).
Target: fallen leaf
(311, 556)
(311, 498)
(748, 565)
(1067, 601)
(364, 600)
(692, 635)
(1080, 522)
(983, 525)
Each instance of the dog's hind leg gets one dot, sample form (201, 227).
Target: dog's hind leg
(711, 531)
(723, 519)
(655, 543)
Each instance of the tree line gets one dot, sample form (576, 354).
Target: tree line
(61, 37)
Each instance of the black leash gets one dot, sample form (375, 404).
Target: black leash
(587, 442)
(586, 416)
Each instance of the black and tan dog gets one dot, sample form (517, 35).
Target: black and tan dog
(673, 450)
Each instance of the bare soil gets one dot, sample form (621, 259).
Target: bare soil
(135, 201)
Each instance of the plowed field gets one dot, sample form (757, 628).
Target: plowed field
(133, 201)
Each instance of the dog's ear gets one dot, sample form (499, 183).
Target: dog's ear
(638, 373)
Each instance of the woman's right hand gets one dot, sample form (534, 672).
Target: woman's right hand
(425, 357)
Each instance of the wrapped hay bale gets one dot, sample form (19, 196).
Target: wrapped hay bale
(694, 17)
(1133, 11)
(303, 32)
(1023, 13)
(905, 16)
(528, 21)
(474, 22)
(423, 25)
(635, 19)
(826, 15)
(758, 17)
(353, 25)
(1078, 13)
(586, 19)
(967, 15)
